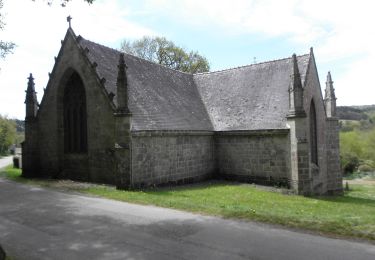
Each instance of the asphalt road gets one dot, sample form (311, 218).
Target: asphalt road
(37, 223)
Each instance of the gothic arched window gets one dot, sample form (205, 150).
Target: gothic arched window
(75, 125)
(313, 134)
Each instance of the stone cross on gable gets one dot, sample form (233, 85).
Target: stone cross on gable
(69, 19)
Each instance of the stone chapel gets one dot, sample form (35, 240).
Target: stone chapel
(110, 117)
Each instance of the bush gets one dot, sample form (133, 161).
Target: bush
(369, 163)
(7, 134)
(357, 148)
(365, 168)
(348, 125)
(349, 163)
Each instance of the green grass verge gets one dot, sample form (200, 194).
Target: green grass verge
(351, 215)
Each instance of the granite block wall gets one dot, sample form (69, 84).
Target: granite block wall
(97, 165)
(261, 157)
(30, 160)
(170, 157)
(333, 157)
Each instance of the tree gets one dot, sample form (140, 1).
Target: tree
(5, 47)
(165, 52)
(7, 134)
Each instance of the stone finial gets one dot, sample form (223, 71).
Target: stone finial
(329, 78)
(69, 20)
(30, 91)
(30, 83)
(122, 86)
(330, 97)
(295, 91)
(31, 100)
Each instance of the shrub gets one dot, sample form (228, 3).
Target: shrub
(365, 168)
(370, 163)
(349, 163)
(7, 134)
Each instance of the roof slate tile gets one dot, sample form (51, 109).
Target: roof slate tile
(253, 97)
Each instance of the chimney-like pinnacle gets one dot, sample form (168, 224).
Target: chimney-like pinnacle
(329, 78)
(31, 100)
(330, 97)
(122, 86)
(295, 91)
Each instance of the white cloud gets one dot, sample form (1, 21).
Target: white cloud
(37, 29)
(270, 17)
(338, 30)
(105, 21)
(341, 32)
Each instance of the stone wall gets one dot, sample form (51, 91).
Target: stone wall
(325, 176)
(253, 156)
(146, 158)
(312, 92)
(97, 165)
(171, 157)
(333, 157)
(299, 156)
(30, 159)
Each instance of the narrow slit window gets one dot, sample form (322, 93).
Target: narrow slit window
(313, 135)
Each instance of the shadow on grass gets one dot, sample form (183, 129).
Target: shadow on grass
(168, 190)
(165, 191)
(348, 199)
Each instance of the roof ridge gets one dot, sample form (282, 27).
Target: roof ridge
(134, 56)
(248, 65)
(187, 73)
(113, 49)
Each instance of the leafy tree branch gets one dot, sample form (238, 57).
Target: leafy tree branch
(5, 47)
(165, 52)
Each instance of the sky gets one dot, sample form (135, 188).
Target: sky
(228, 33)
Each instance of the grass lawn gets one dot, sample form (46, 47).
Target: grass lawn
(351, 215)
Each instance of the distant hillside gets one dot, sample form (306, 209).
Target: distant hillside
(355, 112)
(357, 135)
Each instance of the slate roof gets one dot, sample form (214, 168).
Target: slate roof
(159, 98)
(253, 97)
